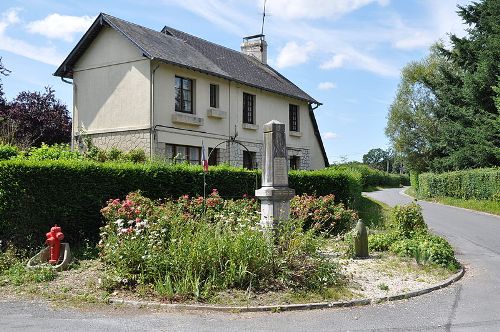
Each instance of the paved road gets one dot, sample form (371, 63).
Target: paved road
(472, 304)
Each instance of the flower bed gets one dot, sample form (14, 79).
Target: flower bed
(188, 248)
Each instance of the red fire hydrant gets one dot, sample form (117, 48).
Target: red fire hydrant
(54, 238)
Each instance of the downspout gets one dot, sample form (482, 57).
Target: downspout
(72, 141)
(152, 113)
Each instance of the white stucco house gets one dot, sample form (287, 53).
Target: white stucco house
(166, 91)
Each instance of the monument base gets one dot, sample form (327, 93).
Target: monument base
(274, 205)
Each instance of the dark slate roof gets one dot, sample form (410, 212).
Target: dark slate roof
(182, 49)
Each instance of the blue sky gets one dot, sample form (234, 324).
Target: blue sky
(345, 53)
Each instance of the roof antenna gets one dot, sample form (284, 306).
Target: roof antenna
(263, 18)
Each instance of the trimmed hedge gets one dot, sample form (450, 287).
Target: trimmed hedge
(371, 177)
(35, 195)
(481, 184)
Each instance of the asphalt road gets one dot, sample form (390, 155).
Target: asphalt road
(472, 304)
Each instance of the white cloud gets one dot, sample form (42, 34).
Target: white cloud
(43, 54)
(293, 54)
(327, 85)
(313, 9)
(330, 135)
(335, 62)
(56, 26)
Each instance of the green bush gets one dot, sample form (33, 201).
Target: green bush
(407, 220)
(414, 180)
(52, 152)
(35, 195)
(136, 156)
(427, 248)
(381, 241)
(158, 245)
(8, 151)
(371, 178)
(481, 184)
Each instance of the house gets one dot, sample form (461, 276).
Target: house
(167, 91)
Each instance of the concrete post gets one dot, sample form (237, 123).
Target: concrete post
(275, 194)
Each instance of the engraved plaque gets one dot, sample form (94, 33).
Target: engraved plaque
(280, 172)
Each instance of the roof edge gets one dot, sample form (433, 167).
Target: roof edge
(101, 20)
(318, 135)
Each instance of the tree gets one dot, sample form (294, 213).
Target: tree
(445, 115)
(38, 118)
(3, 72)
(376, 158)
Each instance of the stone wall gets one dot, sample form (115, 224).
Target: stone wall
(304, 157)
(123, 140)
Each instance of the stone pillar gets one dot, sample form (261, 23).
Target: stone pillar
(274, 195)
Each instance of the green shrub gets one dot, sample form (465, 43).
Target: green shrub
(371, 178)
(148, 243)
(136, 156)
(407, 220)
(381, 241)
(322, 214)
(427, 248)
(53, 152)
(35, 195)
(345, 185)
(8, 151)
(414, 180)
(481, 184)
(115, 154)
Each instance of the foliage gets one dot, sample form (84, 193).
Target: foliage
(427, 248)
(378, 159)
(407, 220)
(344, 184)
(371, 178)
(381, 241)
(444, 116)
(36, 194)
(481, 184)
(8, 151)
(52, 152)
(158, 245)
(407, 236)
(322, 214)
(37, 118)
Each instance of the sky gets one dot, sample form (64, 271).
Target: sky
(347, 54)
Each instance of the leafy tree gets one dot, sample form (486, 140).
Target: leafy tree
(377, 158)
(446, 112)
(38, 118)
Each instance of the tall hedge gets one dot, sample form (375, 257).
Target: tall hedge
(371, 177)
(481, 184)
(34, 195)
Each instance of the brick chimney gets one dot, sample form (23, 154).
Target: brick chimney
(255, 46)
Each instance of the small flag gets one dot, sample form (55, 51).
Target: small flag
(204, 161)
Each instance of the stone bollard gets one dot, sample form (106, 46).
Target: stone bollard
(360, 240)
(275, 194)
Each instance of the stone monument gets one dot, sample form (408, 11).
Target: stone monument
(361, 240)
(274, 195)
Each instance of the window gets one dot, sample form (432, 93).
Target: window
(213, 156)
(294, 162)
(182, 153)
(293, 112)
(183, 95)
(214, 95)
(248, 108)
(249, 160)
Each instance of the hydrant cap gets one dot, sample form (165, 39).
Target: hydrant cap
(55, 229)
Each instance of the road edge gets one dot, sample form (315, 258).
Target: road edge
(402, 192)
(291, 307)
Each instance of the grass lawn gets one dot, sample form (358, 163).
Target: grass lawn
(472, 204)
(373, 213)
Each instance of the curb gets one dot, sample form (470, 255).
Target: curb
(402, 192)
(291, 307)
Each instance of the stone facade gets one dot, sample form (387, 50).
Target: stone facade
(123, 140)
